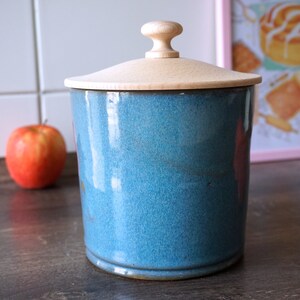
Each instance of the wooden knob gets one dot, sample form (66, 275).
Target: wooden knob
(161, 33)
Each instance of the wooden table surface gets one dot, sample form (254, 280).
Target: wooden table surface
(43, 257)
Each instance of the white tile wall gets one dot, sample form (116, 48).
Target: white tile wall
(56, 109)
(43, 42)
(17, 59)
(16, 110)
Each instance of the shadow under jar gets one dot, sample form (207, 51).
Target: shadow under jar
(163, 150)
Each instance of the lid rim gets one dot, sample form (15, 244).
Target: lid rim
(116, 86)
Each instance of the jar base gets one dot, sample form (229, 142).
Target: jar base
(167, 274)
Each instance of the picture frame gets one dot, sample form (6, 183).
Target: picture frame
(276, 135)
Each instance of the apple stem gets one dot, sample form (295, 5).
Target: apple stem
(45, 122)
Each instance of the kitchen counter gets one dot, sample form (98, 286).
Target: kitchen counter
(43, 256)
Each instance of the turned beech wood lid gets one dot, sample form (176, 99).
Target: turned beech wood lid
(162, 69)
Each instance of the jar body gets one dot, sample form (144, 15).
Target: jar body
(163, 179)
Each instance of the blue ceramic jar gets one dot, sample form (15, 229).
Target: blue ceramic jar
(163, 177)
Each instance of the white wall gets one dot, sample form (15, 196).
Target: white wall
(44, 41)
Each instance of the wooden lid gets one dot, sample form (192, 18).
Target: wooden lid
(162, 69)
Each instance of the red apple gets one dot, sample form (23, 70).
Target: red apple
(35, 156)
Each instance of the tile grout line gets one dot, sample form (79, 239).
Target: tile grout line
(37, 47)
(41, 93)
(18, 93)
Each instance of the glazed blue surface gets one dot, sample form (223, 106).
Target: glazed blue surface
(163, 179)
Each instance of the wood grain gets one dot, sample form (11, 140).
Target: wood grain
(42, 251)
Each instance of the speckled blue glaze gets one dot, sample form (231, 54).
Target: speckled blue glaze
(163, 179)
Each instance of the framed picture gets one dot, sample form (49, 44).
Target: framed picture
(263, 36)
